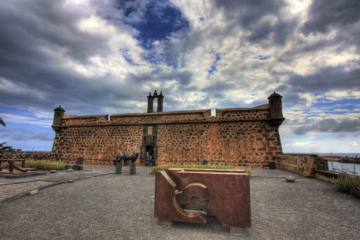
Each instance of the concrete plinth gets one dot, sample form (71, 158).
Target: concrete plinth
(118, 167)
(132, 168)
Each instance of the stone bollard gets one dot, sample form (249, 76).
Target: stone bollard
(79, 161)
(132, 168)
(272, 164)
(118, 167)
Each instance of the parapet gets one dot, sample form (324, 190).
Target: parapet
(68, 120)
(271, 112)
(161, 117)
(255, 113)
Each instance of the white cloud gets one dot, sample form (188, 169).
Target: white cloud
(20, 89)
(26, 119)
(342, 94)
(353, 143)
(300, 143)
(324, 145)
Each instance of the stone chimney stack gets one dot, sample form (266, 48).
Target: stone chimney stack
(150, 103)
(160, 102)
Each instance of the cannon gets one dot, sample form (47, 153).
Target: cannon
(120, 157)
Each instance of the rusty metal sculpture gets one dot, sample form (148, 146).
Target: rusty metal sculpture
(12, 166)
(224, 194)
(126, 157)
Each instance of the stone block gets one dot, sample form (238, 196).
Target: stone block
(290, 179)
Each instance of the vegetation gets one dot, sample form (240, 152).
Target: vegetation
(166, 166)
(349, 184)
(4, 148)
(2, 122)
(42, 164)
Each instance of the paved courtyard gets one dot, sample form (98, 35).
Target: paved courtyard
(98, 204)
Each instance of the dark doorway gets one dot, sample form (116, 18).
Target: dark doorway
(149, 156)
(149, 149)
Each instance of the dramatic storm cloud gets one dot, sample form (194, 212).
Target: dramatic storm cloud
(331, 125)
(104, 57)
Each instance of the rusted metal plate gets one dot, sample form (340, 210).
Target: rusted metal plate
(222, 193)
(166, 206)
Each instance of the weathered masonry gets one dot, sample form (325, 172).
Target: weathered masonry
(235, 136)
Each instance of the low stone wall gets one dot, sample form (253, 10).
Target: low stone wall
(328, 176)
(91, 161)
(304, 164)
(36, 155)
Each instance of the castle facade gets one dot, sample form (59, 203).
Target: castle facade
(235, 136)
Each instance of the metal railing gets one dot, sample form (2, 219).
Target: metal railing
(351, 168)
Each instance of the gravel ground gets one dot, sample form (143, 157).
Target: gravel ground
(14, 188)
(121, 207)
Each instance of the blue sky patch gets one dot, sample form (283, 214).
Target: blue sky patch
(160, 20)
(213, 67)
(338, 106)
(263, 57)
(126, 56)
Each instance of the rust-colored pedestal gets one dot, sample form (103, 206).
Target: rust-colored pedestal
(224, 194)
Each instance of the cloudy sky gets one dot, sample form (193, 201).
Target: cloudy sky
(104, 57)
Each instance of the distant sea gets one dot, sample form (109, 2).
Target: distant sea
(331, 154)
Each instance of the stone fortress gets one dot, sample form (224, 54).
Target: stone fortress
(246, 137)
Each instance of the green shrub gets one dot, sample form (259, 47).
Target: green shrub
(45, 165)
(178, 165)
(41, 164)
(349, 184)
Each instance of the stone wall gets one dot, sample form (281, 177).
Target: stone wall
(238, 136)
(96, 145)
(248, 144)
(28, 155)
(328, 176)
(304, 164)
